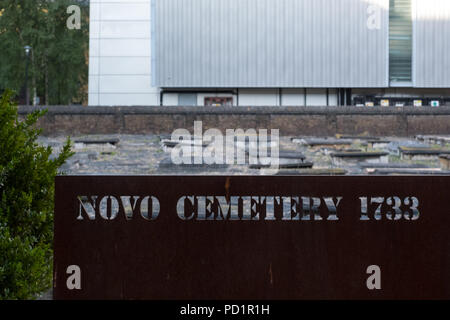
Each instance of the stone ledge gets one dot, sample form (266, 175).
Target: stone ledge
(262, 110)
(291, 121)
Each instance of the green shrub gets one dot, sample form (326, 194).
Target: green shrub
(26, 204)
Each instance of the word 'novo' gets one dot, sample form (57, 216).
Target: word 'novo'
(109, 207)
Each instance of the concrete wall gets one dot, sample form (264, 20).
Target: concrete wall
(314, 121)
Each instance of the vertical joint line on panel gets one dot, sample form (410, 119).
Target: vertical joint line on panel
(153, 42)
(99, 51)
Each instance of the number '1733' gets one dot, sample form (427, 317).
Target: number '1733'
(393, 208)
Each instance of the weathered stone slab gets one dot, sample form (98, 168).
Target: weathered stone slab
(346, 158)
(291, 155)
(170, 144)
(392, 166)
(247, 146)
(362, 155)
(285, 164)
(442, 140)
(432, 171)
(353, 137)
(98, 141)
(444, 159)
(319, 142)
(169, 165)
(174, 143)
(421, 153)
(394, 146)
(165, 137)
(313, 172)
(378, 144)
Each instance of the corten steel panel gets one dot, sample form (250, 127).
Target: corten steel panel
(431, 43)
(174, 259)
(270, 43)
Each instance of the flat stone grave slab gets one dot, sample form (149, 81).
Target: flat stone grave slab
(167, 164)
(394, 146)
(372, 168)
(165, 137)
(292, 155)
(363, 155)
(250, 138)
(378, 144)
(323, 142)
(442, 140)
(351, 137)
(174, 143)
(392, 166)
(421, 153)
(97, 141)
(431, 171)
(247, 146)
(313, 172)
(342, 158)
(285, 164)
(444, 159)
(330, 151)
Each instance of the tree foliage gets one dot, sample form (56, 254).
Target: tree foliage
(58, 68)
(27, 175)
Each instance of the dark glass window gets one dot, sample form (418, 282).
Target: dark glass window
(400, 41)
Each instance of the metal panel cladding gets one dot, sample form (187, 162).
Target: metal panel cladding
(271, 43)
(432, 43)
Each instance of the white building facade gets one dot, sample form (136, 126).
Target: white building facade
(120, 53)
(269, 52)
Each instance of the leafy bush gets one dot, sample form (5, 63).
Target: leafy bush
(26, 204)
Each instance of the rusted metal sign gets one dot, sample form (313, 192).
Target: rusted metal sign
(258, 237)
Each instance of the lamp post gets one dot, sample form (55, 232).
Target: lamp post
(27, 93)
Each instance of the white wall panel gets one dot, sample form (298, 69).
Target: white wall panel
(124, 84)
(126, 10)
(120, 53)
(125, 66)
(316, 97)
(258, 97)
(293, 97)
(124, 47)
(125, 29)
(130, 99)
(170, 99)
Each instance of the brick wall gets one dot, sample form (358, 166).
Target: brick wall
(315, 121)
